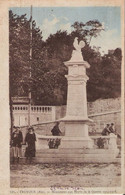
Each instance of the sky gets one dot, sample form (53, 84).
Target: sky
(51, 19)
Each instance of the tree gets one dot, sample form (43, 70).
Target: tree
(52, 82)
(48, 83)
(111, 75)
(94, 72)
(86, 31)
(118, 53)
(19, 46)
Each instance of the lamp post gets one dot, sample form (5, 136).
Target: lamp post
(29, 95)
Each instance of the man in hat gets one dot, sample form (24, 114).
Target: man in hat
(106, 130)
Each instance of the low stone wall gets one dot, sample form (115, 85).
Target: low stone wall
(97, 107)
(104, 105)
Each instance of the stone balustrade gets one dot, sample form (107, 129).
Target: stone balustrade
(22, 108)
(41, 109)
(102, 142)
(106, 142)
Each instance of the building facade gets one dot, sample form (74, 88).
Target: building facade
(38, 114)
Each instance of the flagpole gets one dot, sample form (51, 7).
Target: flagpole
(29, 109)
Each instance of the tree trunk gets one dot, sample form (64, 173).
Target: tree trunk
(11, 115)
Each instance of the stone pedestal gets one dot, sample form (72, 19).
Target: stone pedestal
(76, 119)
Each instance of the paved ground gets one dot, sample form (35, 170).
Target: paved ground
(65, 175)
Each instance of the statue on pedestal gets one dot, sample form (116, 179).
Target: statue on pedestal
(77, 54)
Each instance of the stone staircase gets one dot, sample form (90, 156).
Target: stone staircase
(76, 155)
(64, 155)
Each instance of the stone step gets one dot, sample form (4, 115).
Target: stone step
(75, 151)
(60, 155)
(71, 160)
(77, 160)
(77, 155)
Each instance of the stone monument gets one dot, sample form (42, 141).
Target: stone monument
(76, 119)
(76, 145)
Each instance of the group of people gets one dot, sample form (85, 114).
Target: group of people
(110, 128)
(29, 141)
(17, 141)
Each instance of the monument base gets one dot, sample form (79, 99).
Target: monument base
(76, 154)
(65, 155)
(76, 142)
(76, 133)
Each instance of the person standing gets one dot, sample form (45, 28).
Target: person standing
(30, 140)
(56, 131)
(16, 143)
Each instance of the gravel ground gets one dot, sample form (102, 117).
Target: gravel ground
(65, 175)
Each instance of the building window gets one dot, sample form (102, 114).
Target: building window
(37, 119)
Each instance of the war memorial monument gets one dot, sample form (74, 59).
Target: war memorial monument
(76, 145)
